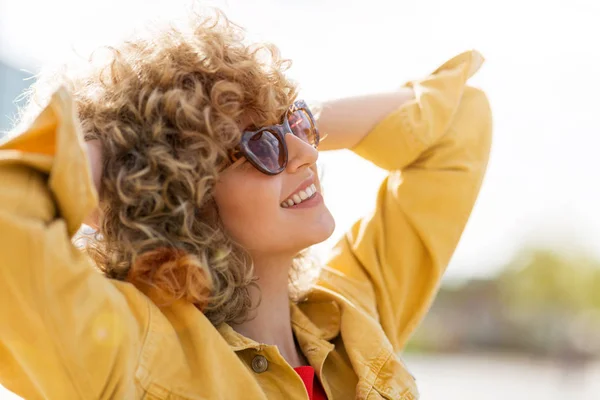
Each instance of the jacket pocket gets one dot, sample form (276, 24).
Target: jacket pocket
(394, 382)
(406, 395)
(156, 392)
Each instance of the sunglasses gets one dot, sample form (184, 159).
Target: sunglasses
(265, 148)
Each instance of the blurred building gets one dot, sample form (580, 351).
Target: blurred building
(12, 84)
(543, 303)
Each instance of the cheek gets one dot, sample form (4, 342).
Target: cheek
(248, 207)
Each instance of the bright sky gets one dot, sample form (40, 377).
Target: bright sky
(541, 75)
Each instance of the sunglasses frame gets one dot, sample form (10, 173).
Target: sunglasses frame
(279, 130)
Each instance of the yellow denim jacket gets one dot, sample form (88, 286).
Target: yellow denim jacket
(67, 332)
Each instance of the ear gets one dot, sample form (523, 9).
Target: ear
(95, 159)
(93, 219)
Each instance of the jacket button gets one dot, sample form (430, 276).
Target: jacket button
(260, 364)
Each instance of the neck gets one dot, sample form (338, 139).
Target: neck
(271, 323)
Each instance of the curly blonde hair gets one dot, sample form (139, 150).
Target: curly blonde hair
(167, 110)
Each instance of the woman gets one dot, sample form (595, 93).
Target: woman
(204, 162)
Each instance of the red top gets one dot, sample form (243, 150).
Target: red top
(311, 382)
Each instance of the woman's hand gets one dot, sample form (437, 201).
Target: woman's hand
(95, 157)
(345, 122)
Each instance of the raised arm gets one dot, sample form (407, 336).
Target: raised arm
(436, 147)
(66, 332)
(346, 121)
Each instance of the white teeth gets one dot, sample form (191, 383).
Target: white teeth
(299, 197)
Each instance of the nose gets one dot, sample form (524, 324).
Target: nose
(300, 153)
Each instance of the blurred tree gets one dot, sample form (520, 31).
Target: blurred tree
(546, 279)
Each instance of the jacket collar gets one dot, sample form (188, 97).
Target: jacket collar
(319, 314)
(236, 340)
(318, 317)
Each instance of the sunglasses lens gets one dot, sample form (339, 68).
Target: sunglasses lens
(267, 150)
(303, 127)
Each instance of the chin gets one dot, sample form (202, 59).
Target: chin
(322, 229)
(331, 228)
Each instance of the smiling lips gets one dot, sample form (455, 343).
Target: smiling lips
(300, 196)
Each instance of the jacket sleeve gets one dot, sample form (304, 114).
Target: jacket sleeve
(66, 331)
(390, 263)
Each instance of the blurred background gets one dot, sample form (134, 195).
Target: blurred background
(518, 315)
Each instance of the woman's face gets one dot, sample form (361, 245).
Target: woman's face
(251, 206)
